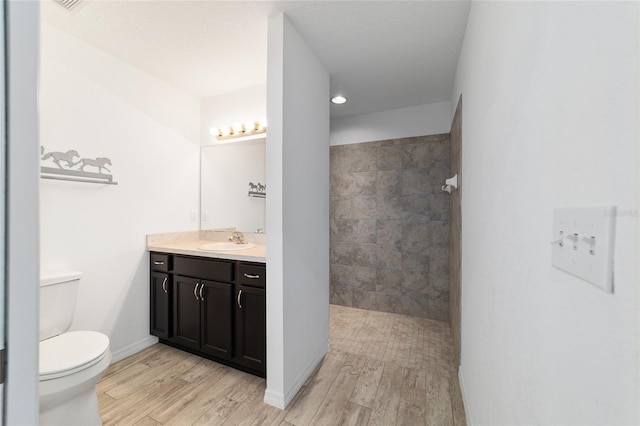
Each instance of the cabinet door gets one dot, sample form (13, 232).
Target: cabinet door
(251, 327)
(186, 312)
(160, 302)
(216, 319)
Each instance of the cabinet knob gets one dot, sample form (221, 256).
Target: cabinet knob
(158, 262)
(164, 284)
(239, 299)
(201, 288)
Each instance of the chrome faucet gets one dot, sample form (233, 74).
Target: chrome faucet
(237, 237)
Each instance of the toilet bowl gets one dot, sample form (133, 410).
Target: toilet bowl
(71, 363)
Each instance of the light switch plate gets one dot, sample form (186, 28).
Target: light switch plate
(583, 243)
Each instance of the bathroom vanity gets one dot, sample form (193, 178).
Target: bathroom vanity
(210, 304)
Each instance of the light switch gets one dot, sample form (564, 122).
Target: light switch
(583, 243)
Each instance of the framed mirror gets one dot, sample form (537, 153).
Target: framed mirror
(233, 185)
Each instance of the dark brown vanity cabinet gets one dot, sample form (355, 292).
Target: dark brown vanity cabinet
(251, 324)
(202, 316)
(212, 307)
(160, 321)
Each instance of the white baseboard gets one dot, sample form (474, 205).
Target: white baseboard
(133, 348)
(465, 401)
(274, 399)
(281, 400)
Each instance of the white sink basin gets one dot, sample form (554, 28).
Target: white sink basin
(225, 246)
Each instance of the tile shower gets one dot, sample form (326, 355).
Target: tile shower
(390, 226)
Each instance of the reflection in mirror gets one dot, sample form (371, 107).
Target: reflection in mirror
(227, 173)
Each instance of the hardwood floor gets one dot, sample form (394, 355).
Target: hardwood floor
(381, 369)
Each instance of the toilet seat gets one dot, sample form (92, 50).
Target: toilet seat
(71, 352)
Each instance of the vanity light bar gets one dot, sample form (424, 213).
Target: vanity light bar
(239, 130)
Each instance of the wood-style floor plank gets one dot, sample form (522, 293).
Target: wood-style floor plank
(134, 408)
(184, 397)
(438, 402)
(365, 390)
(315, 392)
(337, 398)
(387, 401)
(205, 400)
(129, 361)
(412, 407)
(381, 369)
(272, 416)
(355, 415)
(147, 421)
(459, 418)
(250, 406)
(122, 376)
(217, 414)
(155, 376)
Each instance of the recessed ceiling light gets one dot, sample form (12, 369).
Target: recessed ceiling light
(338, 100)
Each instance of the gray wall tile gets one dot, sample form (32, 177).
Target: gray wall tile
(416, 209)
(342, 253)
(363, 207)
(389, 226)
(341, 275)
(388, 207)
(365, 255)
(364, 278)
(389, 182)
(364, 299)
(415, 156)
(365, 231)
(354, 183)
(342, 230)
(389, 282)
(389, 157)
(416, 182)
(388, 256)
(415, 238)
(353, 230)
(341, 296)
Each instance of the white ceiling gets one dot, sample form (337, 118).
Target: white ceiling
(380, 54)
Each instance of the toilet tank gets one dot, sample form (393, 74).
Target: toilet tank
(58, 294)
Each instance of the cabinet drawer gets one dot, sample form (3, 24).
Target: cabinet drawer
(160, 262)
(215, 270)
(252, 274)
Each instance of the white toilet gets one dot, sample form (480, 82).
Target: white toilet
(71, 363)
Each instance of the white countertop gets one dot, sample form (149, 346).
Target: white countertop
(190, 248)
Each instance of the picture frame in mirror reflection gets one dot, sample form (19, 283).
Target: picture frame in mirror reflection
(225, 171)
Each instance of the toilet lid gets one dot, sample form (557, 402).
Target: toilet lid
(71, 351)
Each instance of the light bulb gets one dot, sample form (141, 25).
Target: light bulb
(338, 100)
(214, 131)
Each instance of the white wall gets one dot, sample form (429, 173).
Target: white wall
(429, 119)
(101, 106)
(240, 106)
(550, 118)
(21, 391)
(297, 212)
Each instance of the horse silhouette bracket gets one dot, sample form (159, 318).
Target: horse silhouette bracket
(67, 168)
(257, 190)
